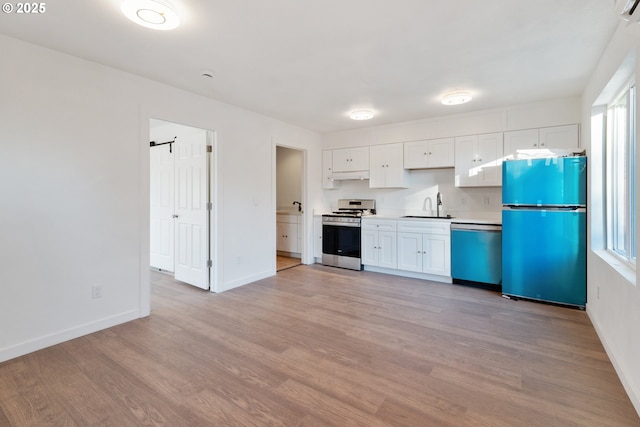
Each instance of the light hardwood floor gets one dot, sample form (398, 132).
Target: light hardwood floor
(284, 262)
(319, 346)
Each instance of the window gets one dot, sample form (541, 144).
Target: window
(621, 175)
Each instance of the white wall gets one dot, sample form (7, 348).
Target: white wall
(423, 185)
(289, 164)
(74, 180)
(420, 197)
(525, 116)
(612, 291)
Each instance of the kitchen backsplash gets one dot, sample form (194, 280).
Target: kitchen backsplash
(420, 197)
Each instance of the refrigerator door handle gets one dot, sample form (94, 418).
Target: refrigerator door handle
(547, 208)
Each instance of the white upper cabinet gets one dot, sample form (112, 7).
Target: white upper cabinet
(351, 159)
(559, 137)
(387, 166)
(431, 153)
(562, 137)
(478, 160)
(520, 140)
(328, 182)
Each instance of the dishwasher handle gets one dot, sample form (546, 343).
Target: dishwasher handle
(475, 227)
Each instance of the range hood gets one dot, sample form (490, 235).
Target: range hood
(353, 175)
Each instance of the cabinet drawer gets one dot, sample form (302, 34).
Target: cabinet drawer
(379, 224)
(424, 226)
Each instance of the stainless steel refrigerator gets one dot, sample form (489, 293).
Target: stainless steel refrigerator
(544, 229)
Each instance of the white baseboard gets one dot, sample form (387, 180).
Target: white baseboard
(634, 395)
(45, 341)
(410, 274)
(246, 280)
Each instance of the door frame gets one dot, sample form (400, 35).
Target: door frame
(306, 213)
(214, 240)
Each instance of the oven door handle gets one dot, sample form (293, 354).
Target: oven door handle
(342, 224)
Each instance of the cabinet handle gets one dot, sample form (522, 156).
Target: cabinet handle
(479, 160)
(542, 145)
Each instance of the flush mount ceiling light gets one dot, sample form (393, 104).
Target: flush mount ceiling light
(456, 97)
(155, 14)
(361, 115)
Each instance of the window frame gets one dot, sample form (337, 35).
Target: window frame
(626, 252)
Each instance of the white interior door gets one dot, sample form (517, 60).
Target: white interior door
(192, 215)
(162, 210)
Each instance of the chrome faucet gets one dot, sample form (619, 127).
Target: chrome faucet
(438, 203)
(299, 205)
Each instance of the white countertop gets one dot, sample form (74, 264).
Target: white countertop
(285, 212)
(483, 219)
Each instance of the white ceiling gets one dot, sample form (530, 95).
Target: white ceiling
(311, 62)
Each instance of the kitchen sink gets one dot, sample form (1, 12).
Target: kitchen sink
(428, 217)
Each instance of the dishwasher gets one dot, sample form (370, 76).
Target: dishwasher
(476, 253)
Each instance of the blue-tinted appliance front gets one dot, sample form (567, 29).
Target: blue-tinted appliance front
(545, 182)
(544, 230)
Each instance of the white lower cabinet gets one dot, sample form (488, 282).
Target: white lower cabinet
(287, 237)
(287, 229)
(424, 253)
(413, 248)
(424, 247)
(379, 246)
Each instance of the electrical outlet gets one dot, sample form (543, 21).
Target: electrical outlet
(485, 200)
(96, 291)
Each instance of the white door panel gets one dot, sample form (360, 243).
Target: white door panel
(410, 251)
(192, 224)
(161, 208)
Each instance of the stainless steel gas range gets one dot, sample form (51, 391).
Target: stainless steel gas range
(341, 233)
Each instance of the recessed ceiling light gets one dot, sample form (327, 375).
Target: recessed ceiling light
(361, 115)
(456, 97)
(156, 14)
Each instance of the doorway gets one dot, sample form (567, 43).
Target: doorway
(180, 201)
(289, 207)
